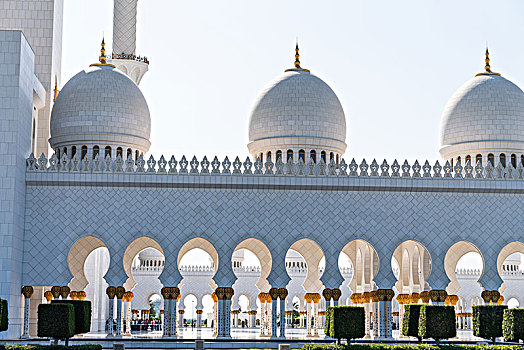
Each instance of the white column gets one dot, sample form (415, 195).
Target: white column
(118, 317)
(227, 305)
(367, 328)
(309, 306)
(111, 315)
(128, 317)
(27, 291)
(167, 315)
(375, 318)
(385, 324)
(180, 318)
(273, 318)
(172, 318)
(253, 319)
(282, 317)
(199, 318)
(315, 319)
(220, 318)
(262, 318)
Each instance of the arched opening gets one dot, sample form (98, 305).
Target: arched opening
(137, 155)
(129, 153)
(464, 266)
(207, 310)
(365, 261)
(96, 151)
(514, 160)
(268, 156)
(337, 159)
(491, 159)
(478, 159)
(247, 269)
(513, 303)
(511, 270)
(146, 269)
(411, 263)
(107, 152)
(522, 160)
(309, 257)
(302, 155)
(253, 255)
(468, 159)
(313, 156)
(132, 260)
(95, 268)
(279, 156)
(197, 262)
(155, 303)
(190, 307)
(73, 151)
(84, 152)
(88, 262)
(459, 160)
(119, 152)
(345, 266)
(323, 156)
(502, 158)
(289, 155)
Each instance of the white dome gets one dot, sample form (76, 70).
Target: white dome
(101, 106)
(485, 115)
(297, 110)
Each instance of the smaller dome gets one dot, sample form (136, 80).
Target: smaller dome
(101, 106)
(297, 112)
(484, 118)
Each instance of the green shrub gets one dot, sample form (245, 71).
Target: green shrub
(487, 321)
(82, 314)
(51, 347)
(437, 322)
(4, 315)
(327, 322)
(410, 320)
(56, 321)
(346, 322)
(513, 325)
(408, 347)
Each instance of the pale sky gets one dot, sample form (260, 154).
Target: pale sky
(393, 64)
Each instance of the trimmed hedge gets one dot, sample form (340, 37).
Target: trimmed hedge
(513, 325)
(56, 321)
(409, 347)
(345, 322)
(4, 315)
(50, 347)
(437, 322)
(410, 320)
(82, 314)
(487, 321)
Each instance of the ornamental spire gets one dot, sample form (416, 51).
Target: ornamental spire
(297, 61)
(487, 67)
(103, 58)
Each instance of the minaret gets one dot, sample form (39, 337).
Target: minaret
(124, 41)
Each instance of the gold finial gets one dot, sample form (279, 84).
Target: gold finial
(55, 90)
(487, 67)
(102, 58)
(297, 61)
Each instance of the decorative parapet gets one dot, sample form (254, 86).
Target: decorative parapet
(257, 168)
(131, 57)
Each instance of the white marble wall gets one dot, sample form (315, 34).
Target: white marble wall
(41, 21)
(16, 103)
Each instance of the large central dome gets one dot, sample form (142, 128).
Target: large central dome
(297, 112)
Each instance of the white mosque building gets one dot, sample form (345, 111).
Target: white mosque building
(100, 215)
